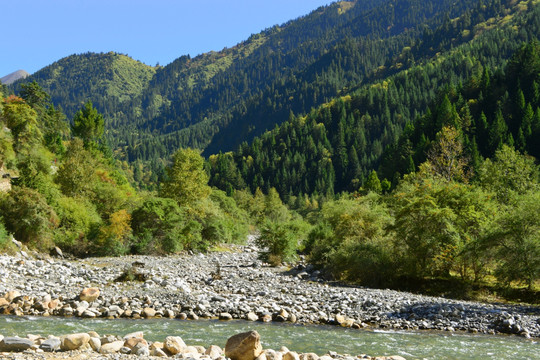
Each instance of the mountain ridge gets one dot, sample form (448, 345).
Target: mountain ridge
(14, 76)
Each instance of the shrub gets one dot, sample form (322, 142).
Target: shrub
(28, 216)
(280, 240)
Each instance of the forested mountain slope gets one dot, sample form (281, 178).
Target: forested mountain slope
(335, 147)
(219, 99)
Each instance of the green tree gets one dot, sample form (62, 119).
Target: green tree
(76, 176)
(447, 158)
(508, 174)
(21, 119)
(436, 221)
(516, 239)
(88, 124)
(373, 183)
(187, 181)
(28, 216)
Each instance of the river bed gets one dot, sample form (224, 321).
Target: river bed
(301, 338)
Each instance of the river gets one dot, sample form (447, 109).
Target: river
(300, 338)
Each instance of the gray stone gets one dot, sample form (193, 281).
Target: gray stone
(50, 345)
(15, 343)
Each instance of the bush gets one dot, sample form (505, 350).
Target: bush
(280, 240)
(157, 226)
(28, 216)
(5, 243)
(78, 219)
(351, 240)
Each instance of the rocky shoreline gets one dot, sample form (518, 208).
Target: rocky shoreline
(235, 285)
(243, 346)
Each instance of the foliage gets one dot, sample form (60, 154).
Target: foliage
(186, 182)
(88, 124)
(516, 239)
(76, 174)
(509, 174)
(351, 239)
(78, 223)
(436, 221)
(114, 238)
(280, 240)
(4, 237)
(28, 216)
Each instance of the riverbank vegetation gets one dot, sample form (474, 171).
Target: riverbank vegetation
(413, 181)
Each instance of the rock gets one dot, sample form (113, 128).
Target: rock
(182, 316)
(158, 352)
(108, 339)
(148, 312)
(133, 342)
(125, 350)
(200, 349)
(4, 302)
(309, 356)
(192, 351)
(136, 334)
(74, 341)
(141, 350)
(12, 295)
(53, 304)
(95, 343)
(15, 343)
(244, 346)
(174, 344)
(56, 251)
(225, 316)
(50, 345)
(251, 316)
(273, 355)
(89, 294)
(112, 347)
(282, 316)
(291, 355)
(261, 357)
(214, 351)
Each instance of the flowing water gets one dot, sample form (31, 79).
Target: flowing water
(317, 339)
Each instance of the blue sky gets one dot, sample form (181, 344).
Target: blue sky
(38, 32)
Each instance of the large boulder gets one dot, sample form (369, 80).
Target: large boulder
(15, 343)
(74, 341)
(89, 294)
(174, 344)
(244, 346)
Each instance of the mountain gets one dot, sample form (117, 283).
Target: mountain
(14, 76)
(396, 117)
(382, 61)
(292, 67)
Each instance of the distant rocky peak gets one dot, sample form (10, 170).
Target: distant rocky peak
(14, 76)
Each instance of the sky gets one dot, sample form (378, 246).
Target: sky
(37, 33)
